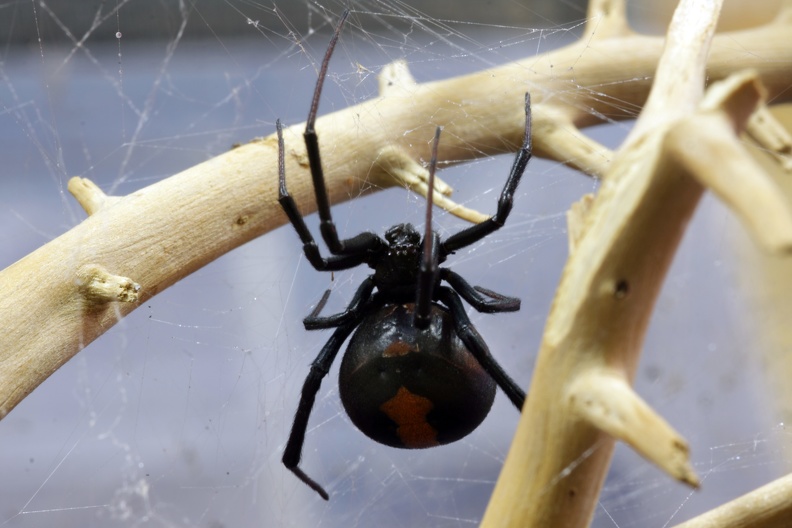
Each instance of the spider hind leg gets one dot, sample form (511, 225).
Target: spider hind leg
(476, 345)
(319, 369)
(482, 299)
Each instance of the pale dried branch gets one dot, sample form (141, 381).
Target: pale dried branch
(605, 400)
(767, 507)
(394, 166)
(707, 146)
(784, 17)
(576, 220)
(623, 244)
(679, 80)
(770, 135)
(557, 137)
(99, 286)
(88, 195)
(395, 78)
(606, 19)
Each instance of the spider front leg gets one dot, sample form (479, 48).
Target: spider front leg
(311, 250)
(476, 345)
(356, 306)
(364, 241)
(319, 369)
(477, 232)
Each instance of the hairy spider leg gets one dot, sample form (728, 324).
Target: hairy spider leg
(319, 369)
(492, 303)
(430, 259)
(311, 250)
(477, 232)
(364, 241)
(476, 345)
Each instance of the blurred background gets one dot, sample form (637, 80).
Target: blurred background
(179, 414)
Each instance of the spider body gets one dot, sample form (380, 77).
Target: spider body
(411, 388)
(416, 372)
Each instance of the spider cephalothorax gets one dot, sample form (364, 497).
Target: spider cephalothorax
(397, 266)
(416, 372)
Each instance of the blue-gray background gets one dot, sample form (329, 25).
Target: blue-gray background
(178, 415)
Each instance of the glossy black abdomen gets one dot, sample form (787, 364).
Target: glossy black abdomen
(411, 388)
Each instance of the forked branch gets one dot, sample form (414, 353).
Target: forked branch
(622, 242)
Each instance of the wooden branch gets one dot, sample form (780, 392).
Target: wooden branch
(622, 242)
(770, 135)
(560, 139)
(709, 149)
(605, 400)
(767, 507)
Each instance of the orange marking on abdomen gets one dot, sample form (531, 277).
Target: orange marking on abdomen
(409, 412)
(397, 348)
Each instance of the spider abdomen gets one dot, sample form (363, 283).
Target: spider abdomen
(411, 388)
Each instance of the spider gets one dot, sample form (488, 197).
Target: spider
(416, 372)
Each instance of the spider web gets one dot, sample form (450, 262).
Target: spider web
(178, 415)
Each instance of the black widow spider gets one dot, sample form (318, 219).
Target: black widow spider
(416, 372)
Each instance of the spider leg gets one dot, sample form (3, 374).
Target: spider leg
(364, 241)
(482, 299)
(430, 261)
(476, 345)
(477, 232)
(353, 311)
(311, 250)
(319, 369)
